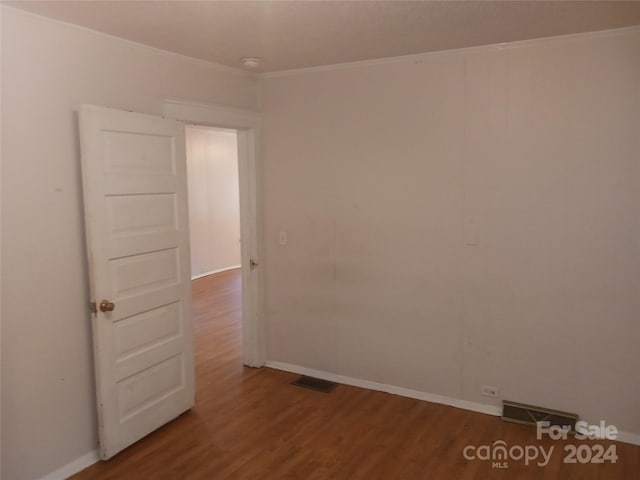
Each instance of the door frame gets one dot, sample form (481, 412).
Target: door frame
(248, 124)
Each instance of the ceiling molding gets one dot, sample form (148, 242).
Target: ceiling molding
(455, 51)
(193, 60)
(326, 67)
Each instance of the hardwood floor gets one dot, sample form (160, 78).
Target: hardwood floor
(252, 424)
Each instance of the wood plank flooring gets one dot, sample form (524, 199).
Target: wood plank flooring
(252, 424)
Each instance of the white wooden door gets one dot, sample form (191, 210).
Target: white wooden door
(135, 200)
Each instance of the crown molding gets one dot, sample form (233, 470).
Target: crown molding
(141, 46)
(454, 51)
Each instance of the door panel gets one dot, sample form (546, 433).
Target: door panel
(134, 178)
(132, 153)
(132, 215)
(133, 333)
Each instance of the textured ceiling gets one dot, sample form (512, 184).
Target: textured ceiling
(294, 34)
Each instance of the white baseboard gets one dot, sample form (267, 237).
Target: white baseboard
(629, 437)
(383, 387)
(624, 437)
(73, 467)
(200, 275)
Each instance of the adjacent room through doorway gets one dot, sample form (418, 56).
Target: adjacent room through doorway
(214, 224)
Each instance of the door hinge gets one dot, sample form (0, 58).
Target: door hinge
(253, 264)
(93, 307)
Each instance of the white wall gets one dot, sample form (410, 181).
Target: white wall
(463, 219)
(214, 208)
(48, 69)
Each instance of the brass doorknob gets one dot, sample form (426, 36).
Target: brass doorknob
(107, 306)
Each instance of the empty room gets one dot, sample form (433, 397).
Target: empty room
(394, 240)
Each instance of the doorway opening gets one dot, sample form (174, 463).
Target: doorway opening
(247, 125)
(215, 240)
